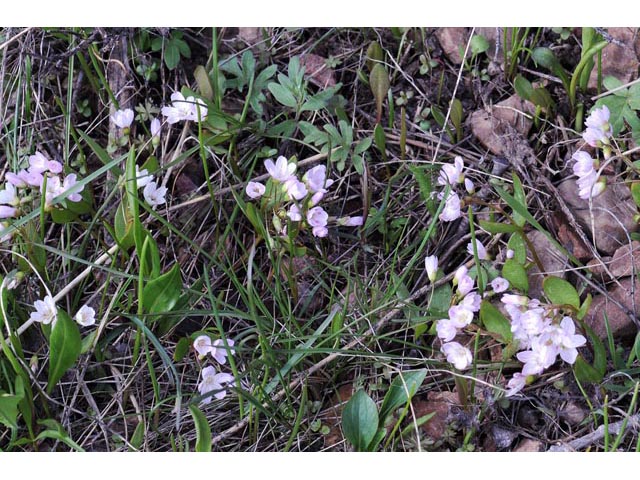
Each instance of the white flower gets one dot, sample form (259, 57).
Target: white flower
(255, 189)
(295, 189)
(595, 136)
(202, 344)
(516, 384)
(282, 170)
(122, 118)
(499, 284)
(469, 186)
(482, 251)
(317, 217)
(584, 163)
(142, 177)
(465, 285)
(316, 179)
(213, 382)
(457, 355)
(294, 213)
(26, 177)
(154, 195)
(540, 357)
(320, 232)
(590, 185)
(15, 180)
(182, 108)
(567, 341)
(86, 316)
(7, 212)
(315, 198)
(460, 316)
(46, 311)
(69, 182)
(446, 329)
(351, 221)
(451, 210)
(9, 195)
(431, 265)
(471, 301)
(510, 253)
(599, 118)
(38, 163)
(219, 352)
(451, 174)
(519, 300)
(53, 189)
(155, 128)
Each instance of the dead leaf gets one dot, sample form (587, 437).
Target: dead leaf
(316, 70)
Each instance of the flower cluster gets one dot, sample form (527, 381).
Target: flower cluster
(42, 175)
(542, 336)
(212, 381)
(47, 313)
(301, 195)
(597, 134)
(453, 175)
(467, 303)
(152, 193)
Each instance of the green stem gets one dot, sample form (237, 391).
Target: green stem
(583, 62)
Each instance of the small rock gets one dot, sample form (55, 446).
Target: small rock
(453, 40)
(626, 260)
(573, 414)
(502, 437)
(613, 214)
(529, 445)
(250, 35)
(620, 61)
(502, 125)
(621, 326)
(552, 259)
(569, 239)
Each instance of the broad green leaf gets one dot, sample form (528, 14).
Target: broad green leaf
(523, 87)
(123, 226)
(282, 95)
(521, 197)
(561, 292)
(161, 294)
(599, 352)
(65, 346)
(9, 410)
(380, 141)
(479, 44)
(204, 83)
(374, 55)
(360, 421)
(584, 308)
(495, 322)
(440, 300)
(171, 55)
(402, 389)
(585, 373)
(379, 82)
(516, 274)
(203, 430)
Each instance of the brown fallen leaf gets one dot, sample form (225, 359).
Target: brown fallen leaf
(316, 70)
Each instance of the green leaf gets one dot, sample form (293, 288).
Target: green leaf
(440, 300)
(584, 308)
(204, 83)
(171, 55)
(65, 345)
(561, 292)
(516, 274)
(56, 431)
(585, 373)
(519, 247)
(9, 410)
(379, 82)
(161, 294)
(521, 197)
(123, 226)
(374, 55)
(360, 421)
(380, 141)
(203, 430)
(402, 390)
(182, 348)
(479, 44)
(282, 95)
(497, 227)
(523, 87)
(495, 322)
(619, 108)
